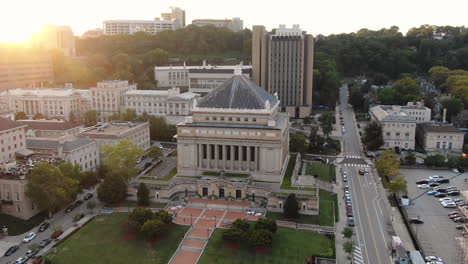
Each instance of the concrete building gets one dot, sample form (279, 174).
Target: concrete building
(13, 196)
(117, 27)
(56, 37)
(235, 24)
(282, 64)
(177, 15)
(32, 70)
(81, 151)
(93, 33)
(440, 137)
(398, 128)
(197, 79)
(12, 139)
(108, 97)
(237, 128)
(171, 104)
(52, 102)
(56, 129)
(417, 111)
(113, 132)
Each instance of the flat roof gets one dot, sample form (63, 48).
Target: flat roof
(111, 129)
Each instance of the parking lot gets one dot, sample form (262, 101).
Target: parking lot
(437, 235)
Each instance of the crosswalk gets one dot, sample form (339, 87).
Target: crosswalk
(357, 255)
(356, 165)
(353, 156)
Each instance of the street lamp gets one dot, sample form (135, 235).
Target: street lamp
(190, 219)
(215, 222)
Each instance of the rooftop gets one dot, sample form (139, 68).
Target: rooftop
(6, 124)
(49, 124)
(439, 127)
(383, 113)
(55, 92)
(111, 129)
(216, 68)
(238, 92)
(68, 146)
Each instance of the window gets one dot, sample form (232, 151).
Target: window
(388, 134)
(215, 118)
(438, 144)
(407, 134)
(17, 196)
(18, 208)
(238, 119)
(246, 119)
(230, 118)
(222, 118)
(254, 119)
(207, 118)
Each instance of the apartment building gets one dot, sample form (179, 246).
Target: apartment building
(12, 139)
(170, 104)
(440, 137)
(417, 111)
(197, 79)
(108, 97)
(282, 64)
(235, 24)
(13, 196)
(51, 128)
(398, 128)
(177, 15)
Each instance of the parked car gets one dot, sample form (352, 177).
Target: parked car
(21, 260)
(415, 220)
(56, 234)
(45, 242)
(88, 196)
(423, 186)
(436, 177)
(440, 195)
(78, 203)
(449, 205)
(31, 253)
(442, 190)
(454, 193)
(350, 221)
(433, 184)
(443, 180)
(455, 216)
(345, 179)
(10, 251)
(433, 258)
(29, 237)
(447, 199)
(460, 219)
(455, 170)
(43, 226)
(459, 227)
(454, 212)
(361, 172)
(432, 192)
(349, 214)
(70, 208)
(78, 217)
(422, 181)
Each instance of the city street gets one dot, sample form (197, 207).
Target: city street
(370, 208)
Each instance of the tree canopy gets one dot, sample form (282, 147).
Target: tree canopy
(122, 157)
(388, 163)
(373, 138)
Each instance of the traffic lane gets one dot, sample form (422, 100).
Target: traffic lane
(437, 234)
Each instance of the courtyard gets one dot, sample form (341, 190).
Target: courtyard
(323, 171)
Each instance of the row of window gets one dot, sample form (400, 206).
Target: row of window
(443, 145)
(397, 134)
(230, 118)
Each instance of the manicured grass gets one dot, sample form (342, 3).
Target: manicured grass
(135, 204)
(146, 178)
(103, 241)
(325, 172)
(233, 175)
(286, 184)
(169, 176)
(325, 217)
(289, 246)
(17, 226)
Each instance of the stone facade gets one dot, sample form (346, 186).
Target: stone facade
(108, 97)
(14, 199)
(440, 137)
(12, 139)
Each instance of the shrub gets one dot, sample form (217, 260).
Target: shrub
(268, 224)
(261, 238)
(141, 215)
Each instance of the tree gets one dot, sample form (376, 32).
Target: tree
(113, 189)
(153, 228)
(90, 118)
(49, 189)
(71, 171)
(291, 207)
(406, 89)
(261, 238)
(163, 216)
(347, 232)
(38, 116)
(156, 57)
(438, 75)
(437, 160)
(143, 194)
(265, 223)
(410, 158)
(129, 115)
(399, 185)
(141, 215)
(453, 106)
(131, 226)
(326, 123)
(297, 143)
(122, 157)
(386, 96)
(348, 247)
(373, 138)
(21, 116)
(234, 234)
(388, 164)
(241, 224)
(458, 86)
(316, 142)
(154, 152)
(91, 205)
(89, 179)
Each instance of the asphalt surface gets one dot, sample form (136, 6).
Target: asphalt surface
(437, 235)
(373, 226)
(62, 219)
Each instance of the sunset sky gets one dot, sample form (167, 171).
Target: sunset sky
(21, 18)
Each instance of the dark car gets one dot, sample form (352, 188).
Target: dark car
(43, 226)
(45, 242)
(11, 250)
(361, 172)
(78, 217)
(454, 193)
(70, 208)
(88, 196)
(422, 182)
(416, 221)
(78, 203)
(440, 195)
(56, 234)
(443, 181)
(434, 184)
(319, 159)
(460, 220)
(442, 190)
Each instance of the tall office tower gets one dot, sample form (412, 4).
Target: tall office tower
(177, 15)
(282, 64)
(56, 37)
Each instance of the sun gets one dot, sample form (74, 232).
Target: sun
(15, 34)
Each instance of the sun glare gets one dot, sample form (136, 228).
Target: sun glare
(15, 35)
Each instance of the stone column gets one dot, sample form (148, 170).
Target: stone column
(240, 157)
(216, 152)
(257, 158)
(224, 157)
(248, 158)
(231, 160)
(180, 109)
(200, 156)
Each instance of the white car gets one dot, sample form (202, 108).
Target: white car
(433, 258)
(455, 171)
(21, 260)
(423, 186)
(449, 205)
(436, 177)
(446, 199)
(29, 237)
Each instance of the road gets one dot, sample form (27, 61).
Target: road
(370, 209)
(62, 219)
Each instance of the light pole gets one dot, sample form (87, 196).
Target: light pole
(215, 221)
(191, 219)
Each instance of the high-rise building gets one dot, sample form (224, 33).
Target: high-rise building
(235, 24)
(56, 37)
(177, 15)
(282, 64)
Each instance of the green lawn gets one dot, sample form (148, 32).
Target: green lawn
(169, 176)
(289, 246)
(17, 226)
(286, 184)
(325, 172)
(325, 217)
(102, 241)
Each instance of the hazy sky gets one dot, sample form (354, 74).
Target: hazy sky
(20, 18)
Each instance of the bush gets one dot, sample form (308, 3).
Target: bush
(141, 215)
(153, 228)
(163, 216)
(435, 160)
(241, 224)
(261, 238)
(265, 223)
(291, 207)
(143, 194)
(132, 226)
(233, 234)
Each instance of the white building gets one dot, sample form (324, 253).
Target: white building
(417, 111)
(440, 137)
(108, 97)
(237, 128)
(398, 128)
(52, 102)
(81, 151)
(12, 139)
(117, 27)
(235, 24)
(56, 129)
(197, 79)
(111, 133)
(171, 104)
